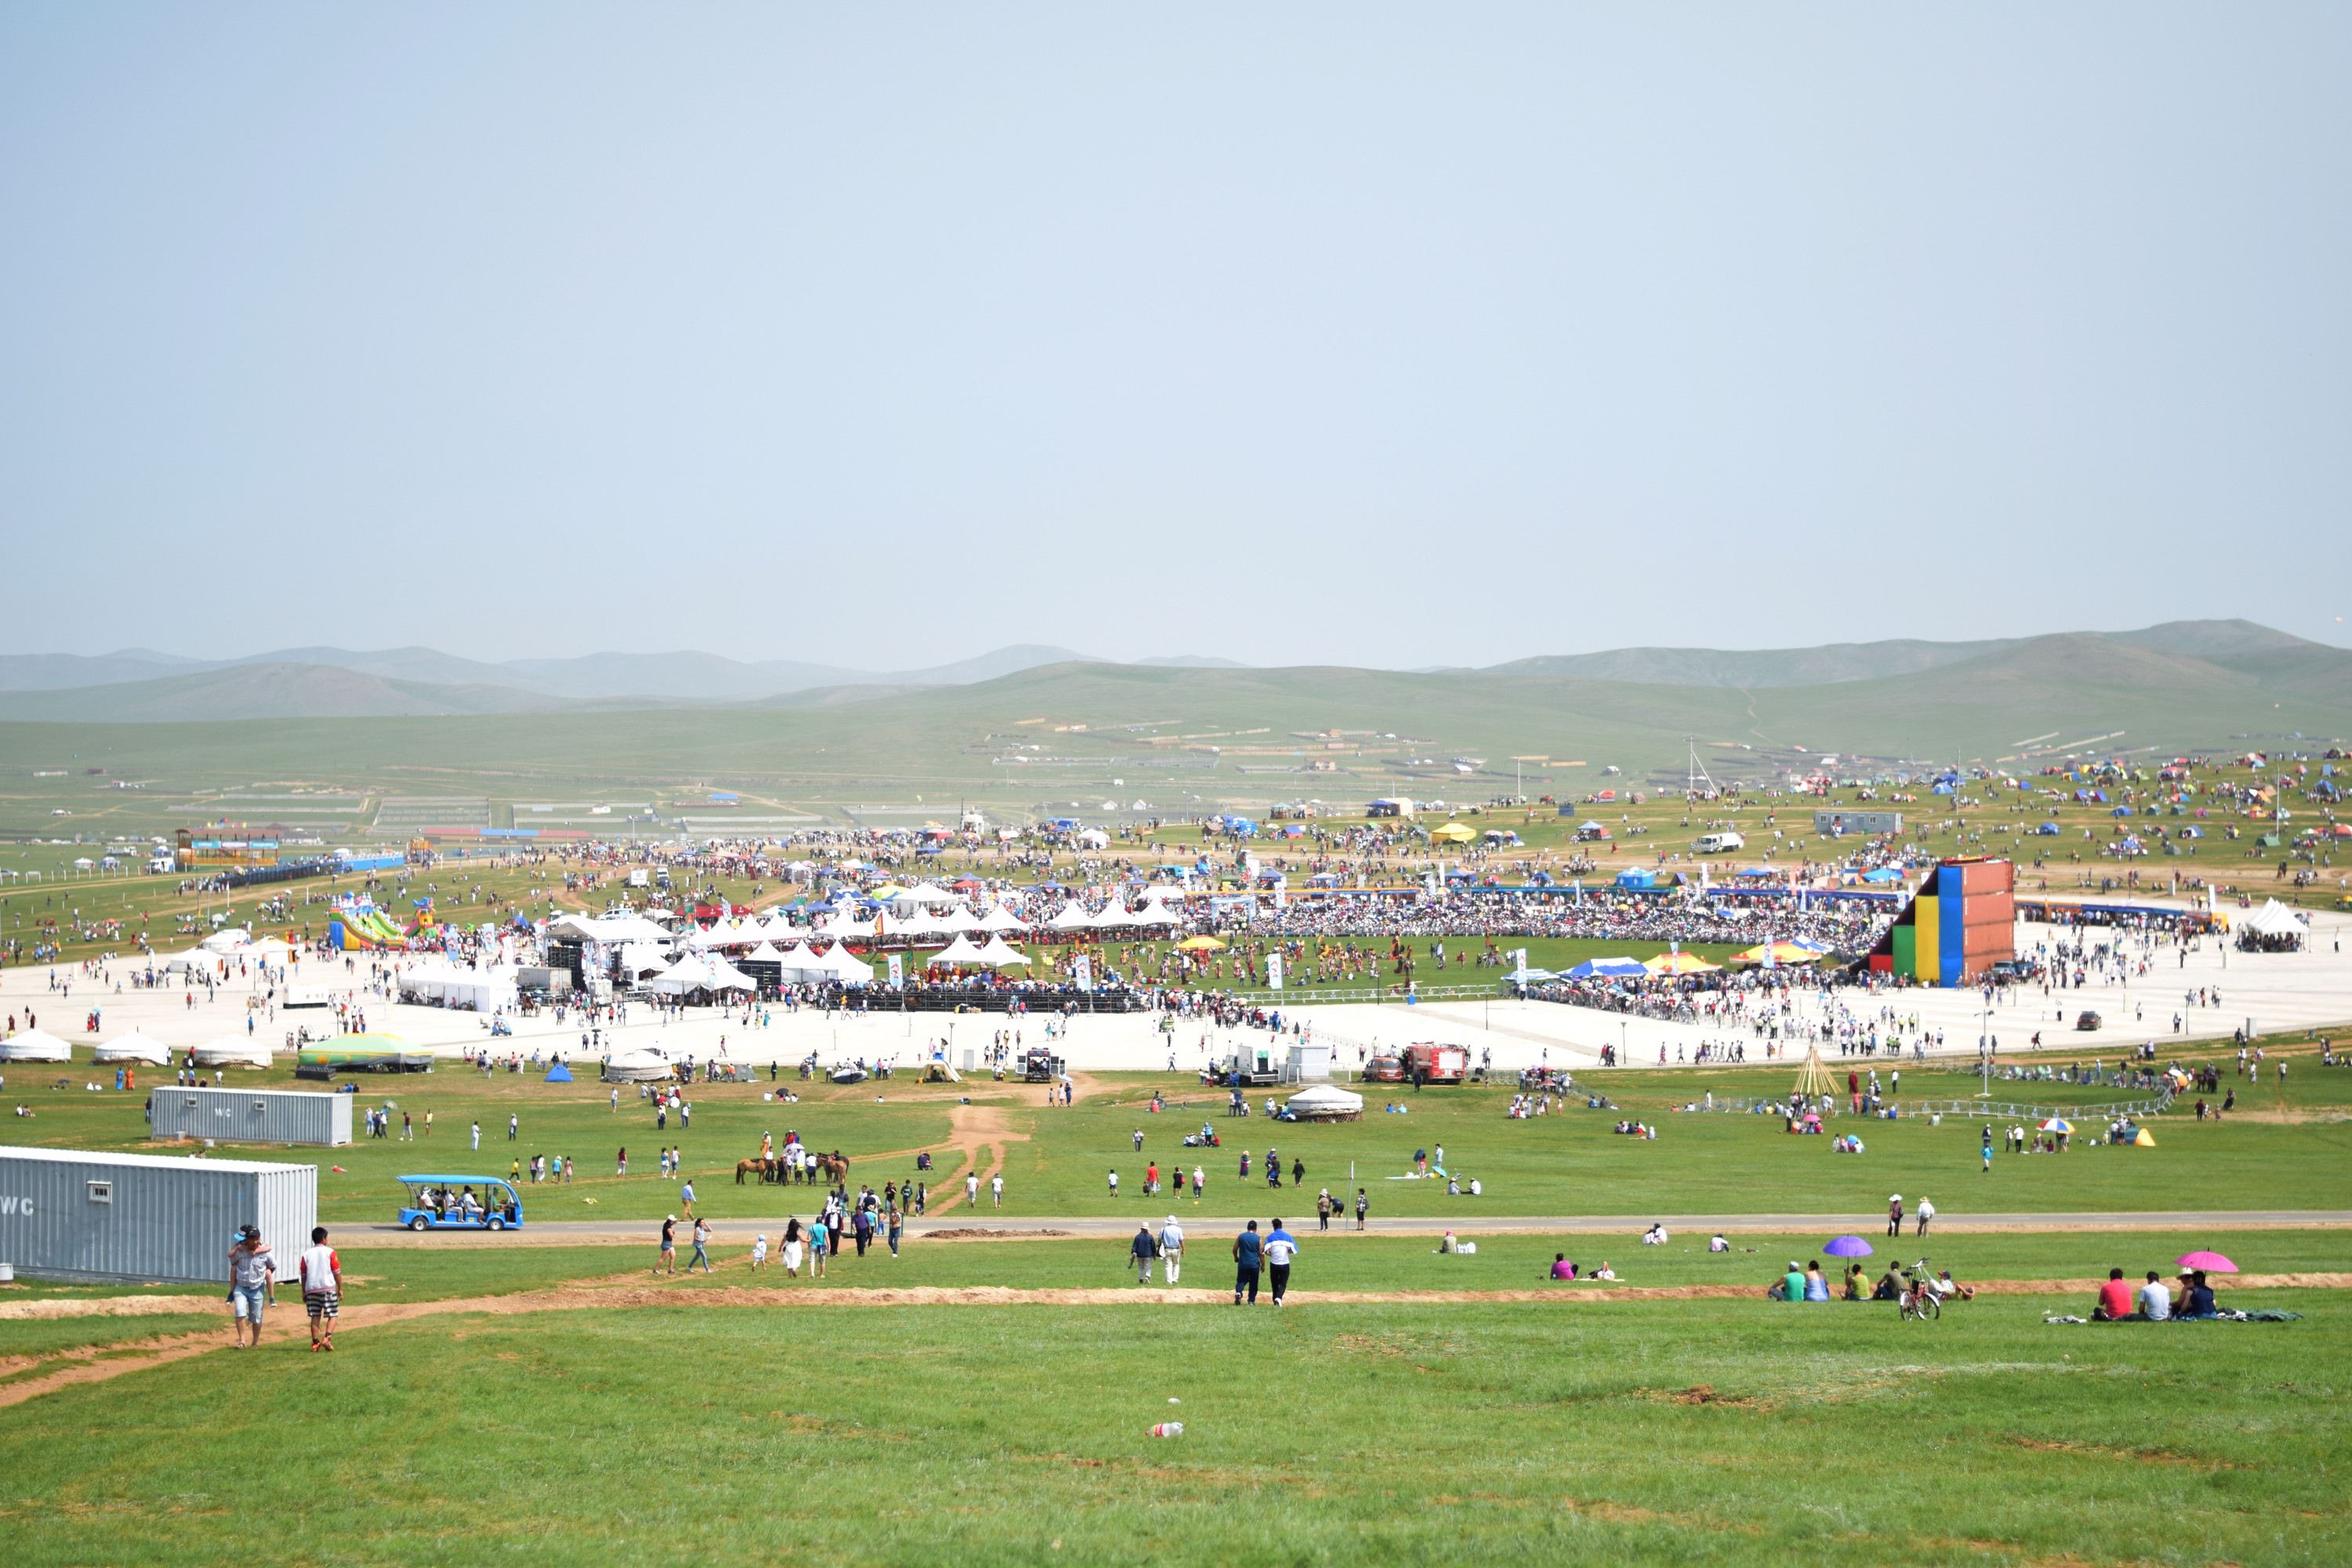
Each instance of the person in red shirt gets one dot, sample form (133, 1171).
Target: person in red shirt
(2115, 1299)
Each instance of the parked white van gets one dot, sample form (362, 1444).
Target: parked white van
(1717, 843)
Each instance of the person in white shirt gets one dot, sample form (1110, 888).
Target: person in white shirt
(971, 1189)
(2155, 1301)
(997, 1188)
(322, 1289)
(1926, 1213)
(759, 1250)
(1171, 1249)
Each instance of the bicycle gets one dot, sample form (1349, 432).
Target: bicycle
(1919, 1301)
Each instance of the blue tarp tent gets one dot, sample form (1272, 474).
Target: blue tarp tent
(559, 1073)
(1882, 874)
(1636, 879)
(2045, 830)
(1602, 968)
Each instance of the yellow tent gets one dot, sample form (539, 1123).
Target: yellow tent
(1199, 944)
(2145, 1141)
(1680, 964)
(1454, 833)
(1781, 951)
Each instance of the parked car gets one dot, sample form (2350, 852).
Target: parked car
(2087, 1019)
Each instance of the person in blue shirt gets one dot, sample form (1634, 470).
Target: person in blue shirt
(1249, 1253)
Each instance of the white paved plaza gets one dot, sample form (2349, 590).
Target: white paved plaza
(2273, 993)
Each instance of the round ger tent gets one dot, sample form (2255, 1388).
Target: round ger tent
(35, 1045)
(130, 1046)
(233, 1051)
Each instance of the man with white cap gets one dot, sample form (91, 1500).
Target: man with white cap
(1171, 1249)
(1895, 1215)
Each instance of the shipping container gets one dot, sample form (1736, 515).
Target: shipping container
(1951, 937)
(1986, 909)
(1906, 950)
(71, 1213)
(1989, 876)
(250, 1115)
(1924, 915)
(1949, 881)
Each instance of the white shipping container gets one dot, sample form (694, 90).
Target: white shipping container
(71, 1213)
(250, 1115)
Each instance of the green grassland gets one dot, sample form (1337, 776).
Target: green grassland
(1691, 1432)
(1055, 1161)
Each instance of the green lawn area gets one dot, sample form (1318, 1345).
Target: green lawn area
(1683, 1431)
(1568, 1162)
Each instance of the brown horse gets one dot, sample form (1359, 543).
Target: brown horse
(834, 1167)
(749, 1167)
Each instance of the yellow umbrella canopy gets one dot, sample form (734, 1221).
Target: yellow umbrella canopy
(1454, 832)
(1199, 944)
(1781, 951)
(1680, 964)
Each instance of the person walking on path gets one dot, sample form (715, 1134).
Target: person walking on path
(997, 1188)
(1143, 1250)
(793, 1244)
(514, 1127)
(893, 1225)
(322, 1274)
(971, 1189)
(1171, 1251)
(1249, 1254)
(1895, 1215)
(820, 1240)
(685, 1197)
(701, 1248)
(1281, 1247)
(1926, 1213)
(668, 1258)
(1200, 1182)
(252, 1282)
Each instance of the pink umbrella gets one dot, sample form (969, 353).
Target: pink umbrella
(2212, 1262)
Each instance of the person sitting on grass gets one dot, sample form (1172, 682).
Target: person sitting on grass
(2154, 1302)
(2114, 1303)
(1790, 1286)
(1857, 1288)
(1561, 1268)
(1605, 1273)
(1889, 1287)
(1817, 1285)
(2197, 1301)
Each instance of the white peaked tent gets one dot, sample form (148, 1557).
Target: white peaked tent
(1000, 919)
(846, 967)
(2274, 919)
(1071, 916)
(776, 927)
(792, 955)
(233, 1051)
(227, 940)
(642, 958)
(997, 953)
(960, 919)
(960, 954)
(921, 923)
(35, 1045)
(765, 953)
(725, 976)
(1113, 915)
(1155, 913)
(841, 924)
(130, 1046)
(1326, 1102)
(925, 896)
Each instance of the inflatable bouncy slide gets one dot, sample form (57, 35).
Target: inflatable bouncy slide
(361, 929)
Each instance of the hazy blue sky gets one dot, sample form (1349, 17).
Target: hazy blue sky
(1304, 332)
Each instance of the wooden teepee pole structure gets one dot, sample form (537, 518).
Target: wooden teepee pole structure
(1813, 1080)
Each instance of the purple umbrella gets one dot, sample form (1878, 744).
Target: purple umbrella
(1847, 1247)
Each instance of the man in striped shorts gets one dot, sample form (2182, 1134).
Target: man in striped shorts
(322, 1289)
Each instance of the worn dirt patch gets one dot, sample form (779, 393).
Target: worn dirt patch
(2130, 1456)
(979, 1134)
(107, 1307)
(974, 1234)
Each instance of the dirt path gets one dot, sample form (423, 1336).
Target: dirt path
(99, 1363)
(974, 1130)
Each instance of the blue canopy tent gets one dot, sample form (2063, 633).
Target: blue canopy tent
(1606, 968)
(559, 1073)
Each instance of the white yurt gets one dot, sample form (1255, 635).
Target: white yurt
(35, 1045)
(233, 1051)
(133, 1046)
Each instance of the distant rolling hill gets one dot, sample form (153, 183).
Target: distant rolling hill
(1223, 732)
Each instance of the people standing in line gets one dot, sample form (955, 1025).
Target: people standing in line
(1249, 1255)
(322, 1274)
(252, 1282)
(1281, 1247)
